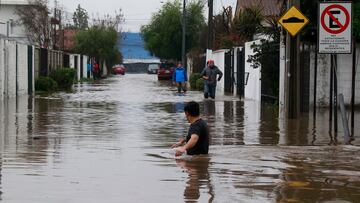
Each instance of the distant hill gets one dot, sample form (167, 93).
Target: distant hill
(132, 46)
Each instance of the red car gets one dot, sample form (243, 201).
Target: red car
(166, 71)
(119, 69)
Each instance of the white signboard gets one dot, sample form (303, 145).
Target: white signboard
(335, 28)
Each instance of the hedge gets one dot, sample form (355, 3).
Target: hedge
(46, 84)
(64, 77)
(193, 78)
(200, 84)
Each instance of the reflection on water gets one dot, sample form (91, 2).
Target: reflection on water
(198, 178)
(109, 142)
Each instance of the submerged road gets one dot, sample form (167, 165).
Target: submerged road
(109, 142)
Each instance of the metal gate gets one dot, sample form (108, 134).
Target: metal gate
(81, 66)
(66, 60)
(43, 62)
(240, 72)
(30, 70)
(229, 72)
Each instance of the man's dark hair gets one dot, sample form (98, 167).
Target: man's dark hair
(193, 108)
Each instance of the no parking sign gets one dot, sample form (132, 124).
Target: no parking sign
(335, 28)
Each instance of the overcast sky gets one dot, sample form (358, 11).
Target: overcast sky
(136, 12)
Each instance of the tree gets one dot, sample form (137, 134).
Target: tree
(109, 21)
(80, 18)
(356, 24)
(99, 42)
(249, 22)
(163, 35)
(35, 18)
(225, 34)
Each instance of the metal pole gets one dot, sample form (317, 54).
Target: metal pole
(210, 24)
(315, 79)
(331, 89)
(183, 55)
(7, 28)
(293, 92)
(335, 95)
(344, 119)
(353, 89)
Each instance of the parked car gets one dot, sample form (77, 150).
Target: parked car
(153, 68)
(166, 71)
(119, 69)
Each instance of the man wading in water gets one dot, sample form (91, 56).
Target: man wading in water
(197, 139)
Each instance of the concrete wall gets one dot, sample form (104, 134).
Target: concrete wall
(13, 69)
(344, 74)
(10, 68)
(22, 69)
(7, 12)
(85, 62)
(2, 70)
(253, 86)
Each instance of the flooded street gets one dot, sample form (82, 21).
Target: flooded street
(110, 142)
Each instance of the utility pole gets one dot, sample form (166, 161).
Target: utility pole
(210, 24)
(183, 54)
(293, 70)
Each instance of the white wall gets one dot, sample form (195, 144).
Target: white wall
(10, 68)
(22, 76)
(7, 12)
(85, 60)
(78, 66)
(13, 69)
(2, 70)
(72, 64)
(344, 74)
(253, 87)
(72, 61)
(104, 69)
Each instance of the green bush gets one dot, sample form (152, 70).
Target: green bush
(45, 84)
(200, 84)
(64, 77)
(193, 78)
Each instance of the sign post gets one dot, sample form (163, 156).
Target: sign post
(335, 28)
(293, 21)
(334, 37)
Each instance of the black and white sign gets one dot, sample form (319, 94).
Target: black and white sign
(335, 28)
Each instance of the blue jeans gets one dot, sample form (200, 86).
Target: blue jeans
(209, 90)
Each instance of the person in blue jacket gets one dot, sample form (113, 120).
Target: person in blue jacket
(180, 78)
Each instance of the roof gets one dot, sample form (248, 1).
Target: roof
(270, 7)
(132, 46)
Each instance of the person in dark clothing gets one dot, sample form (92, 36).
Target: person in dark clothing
(197, 139)
(180, 78)
(96, 71)
(209, 75)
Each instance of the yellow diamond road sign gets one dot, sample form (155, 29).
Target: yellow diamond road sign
(293, 21)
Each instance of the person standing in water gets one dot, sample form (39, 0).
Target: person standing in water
(197, 139)
(209, 74)
(180, 78)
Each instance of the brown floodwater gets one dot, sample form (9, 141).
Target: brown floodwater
(109, 142)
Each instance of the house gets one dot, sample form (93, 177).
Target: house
(68, 35)
(270, 7)
(8, 18)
